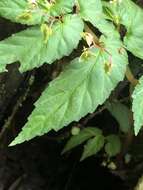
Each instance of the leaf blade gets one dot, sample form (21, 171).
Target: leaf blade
(122, 115)
(13, 9)
(67, 100)
(137, 106)
(93, 146)
(25, 12)
(65, 37)
(90, 10)
(84, 135)
(130, 15)
(113, 145)
(61, 7)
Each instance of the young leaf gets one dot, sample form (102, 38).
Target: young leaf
(85, 83)
(30, 49)
(113, 145)
(137, 106)
(14, 9)
(127, 13)
(121, 113)
(93, 146)
(84, 135)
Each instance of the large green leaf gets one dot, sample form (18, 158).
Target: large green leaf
(22, 11)
(121, 113)
(85, 83)
(12, 9)
(93, 146)
(83, 135)
(138, 106)
(113, 145)
(127, 13)
(29, 47)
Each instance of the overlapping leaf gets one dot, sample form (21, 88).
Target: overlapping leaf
(121, 113)
(22, 11)
(90, 10)
(12, 9)
(29, 47)
(113, 145)
(127, 13)
(85, 83)
(93, 146)
(83, 135)
(61, 7)
(138, 106)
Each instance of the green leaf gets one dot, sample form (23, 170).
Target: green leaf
(93, 146)
(137, 106)
(113, 145)
(84, 135)
(30, 49)
(12, 9)
(75, 130)
(121, 113)
(90, 10)
(86, 83)
(127, 13)
(24, 12)
(61, 7)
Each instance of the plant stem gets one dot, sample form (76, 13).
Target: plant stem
(131, 77)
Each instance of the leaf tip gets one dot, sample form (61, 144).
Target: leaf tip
(136, 132)
(17, 140)
(13, 143)
(82, 158)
